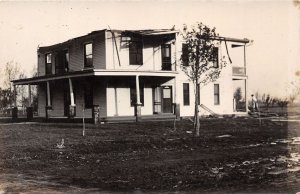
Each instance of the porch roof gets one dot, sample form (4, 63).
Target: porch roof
(93, 72)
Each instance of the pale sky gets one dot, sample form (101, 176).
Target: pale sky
(273, 25)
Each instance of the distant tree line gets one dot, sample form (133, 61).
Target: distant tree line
(12, 71)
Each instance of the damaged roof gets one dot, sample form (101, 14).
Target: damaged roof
(138, 33)
(148, 32)
(151, 32)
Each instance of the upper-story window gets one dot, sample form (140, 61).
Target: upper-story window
(185, 54)
(66, 60)
(48, 63)
(61, 61)
(88, 55)
(216, 57)
(136, 53)
(166, 57)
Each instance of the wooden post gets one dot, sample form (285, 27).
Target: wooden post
(29, 109)
(15, 108)
(29, 95)
(48, 95)
(137, 86)
(15, 96)
(71, 92)
(138, 100)
(83, 122)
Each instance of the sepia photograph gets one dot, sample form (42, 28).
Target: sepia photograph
(159, 96)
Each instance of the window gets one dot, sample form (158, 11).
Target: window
(61, 61)
(48, 63)
(136, 53)
(185, 55)
(216, 94)
(88, 94)
(66, 60)
(133, 95)
(186, 94)
(216, 57)
(166, 57)
(88, 55)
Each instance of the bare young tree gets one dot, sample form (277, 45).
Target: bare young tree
(294, 87)
(199, 60)
(11, 72)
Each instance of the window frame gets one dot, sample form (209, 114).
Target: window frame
(186, 94)
(217, 94)
(48, 64)
(166, 64)
(185, 59)
(85, 55)
(137, 52)
(216, 58)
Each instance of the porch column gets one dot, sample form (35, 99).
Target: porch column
(29, 95)
(48, 106)
(29, 109)
(15, 96)
(72, 105)
(48, 95)
(246, 93)
(138, 100)
(176, 105)
(15, 108)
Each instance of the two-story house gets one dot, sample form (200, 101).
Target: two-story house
(131, 73)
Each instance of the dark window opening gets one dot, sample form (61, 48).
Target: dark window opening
(88, 94)
(166, 57)
(66, 60)
(216, 94)
(185, 55)
(136, 53)
(133, 99)
(186, 94)
(88, 55)
(62, 61)
(216, 57)
(48, 63)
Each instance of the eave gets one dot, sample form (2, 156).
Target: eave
(93, 72)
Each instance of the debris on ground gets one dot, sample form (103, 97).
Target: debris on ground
(61, 144)
(224, 136)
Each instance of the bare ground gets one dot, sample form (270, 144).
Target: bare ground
(231, 155)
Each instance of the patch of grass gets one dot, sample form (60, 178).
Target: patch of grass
(147, 156)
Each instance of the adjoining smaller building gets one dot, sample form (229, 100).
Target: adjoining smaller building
(132, 74)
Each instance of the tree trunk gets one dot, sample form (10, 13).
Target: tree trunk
(196, 114)
(197, 122)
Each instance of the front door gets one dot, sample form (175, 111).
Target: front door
(167, 99)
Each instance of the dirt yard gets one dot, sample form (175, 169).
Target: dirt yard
(231, 155)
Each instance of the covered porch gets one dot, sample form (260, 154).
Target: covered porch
(105, 95)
